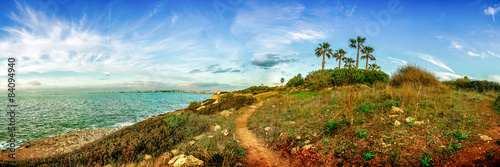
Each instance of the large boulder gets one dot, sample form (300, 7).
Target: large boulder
(185, 161)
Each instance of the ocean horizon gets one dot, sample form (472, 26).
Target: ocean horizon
(39, 116)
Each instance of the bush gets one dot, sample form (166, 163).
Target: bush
(497, 103)
(234, 101)
(414, 74)
(351, 76)
(478, 86)
(257, 90)
(194, 105)
(295, 81)
(318, 79)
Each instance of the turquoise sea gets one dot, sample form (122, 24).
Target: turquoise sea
(41, 116)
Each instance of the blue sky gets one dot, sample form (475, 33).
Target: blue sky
(119, 45)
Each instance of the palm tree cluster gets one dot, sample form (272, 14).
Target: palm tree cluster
(358, 44)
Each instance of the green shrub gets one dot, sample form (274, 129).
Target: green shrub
(415, 75)
(194, 105)
(333, 126)
(226, 103)
(349, 76)
(257, 89)
(478, 86)
(173, 120)
(318, 79)
(295, 81)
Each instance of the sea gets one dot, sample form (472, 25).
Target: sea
(39, 116)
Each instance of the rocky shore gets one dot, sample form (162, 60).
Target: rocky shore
(56, 145)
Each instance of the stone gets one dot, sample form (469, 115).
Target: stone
(485, 138)
(232, 109)
(147, 157)
(216, 128)
(418, 122)
(298, 137)
(108, 165)
(397, 110)
(210, 136)
(397, 123)
(295, 149)
(192, 142)
(267, 129)
(392, 116)
(290, 122)
(226, 113)
(174, 152)
(185, 161)
(224, 132)
(199, 137)
(307, 142)
(199, 108)
(307, 146)
(409, 119)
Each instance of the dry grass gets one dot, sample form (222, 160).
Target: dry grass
(414, 75)
(346, 123)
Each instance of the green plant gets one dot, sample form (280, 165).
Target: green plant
(489, 155)
(368, 155)
(456, 146)
(362, 133)
(173, 120)
(139, 157)
(366, 108)
(460, 135)
(333, 125)
(425, 161)
(295, 81)
(318, 79)
(470, 85)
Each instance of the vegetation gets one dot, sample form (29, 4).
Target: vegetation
(257, 90)
(368, 50)
(351, 126)
(295, 81)
(324, 50)
(339, 54)
(497, 103)
(471, 85)
(415, 75)
(357, 44)
(226, 102)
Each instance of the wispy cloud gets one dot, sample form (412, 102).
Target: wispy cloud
(397, 61)
(447, 75)
(34, 83)
(493, 54)
(491, 11)
(432, 60)
(470, 53)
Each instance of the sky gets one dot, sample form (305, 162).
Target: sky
(125, 45)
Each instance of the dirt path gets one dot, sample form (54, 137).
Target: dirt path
(257, 154)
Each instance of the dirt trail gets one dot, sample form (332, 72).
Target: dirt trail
(257, 154)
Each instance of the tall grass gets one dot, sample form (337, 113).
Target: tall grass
(414, 74)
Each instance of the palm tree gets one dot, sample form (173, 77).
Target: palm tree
(367, 50)
(324, 49)
(348, 62)
(339, 54)
(357, 43)
(373, 66)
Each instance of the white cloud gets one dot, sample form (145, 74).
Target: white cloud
(431, 59)
(447, 76)
(493, 54)
(491, 11)
(495, 78)
(456, 45)
(34, 83)
(397, 61)
(470, 53)
(174, 18)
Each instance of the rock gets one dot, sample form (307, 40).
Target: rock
(108, 165)
(485, 138)
(397, 123)
(392, 116)
(409, 119)
(147, 157)
(267, 128)
(396, 110)
(216, 101)
(185, 161)
(307, 142)
(199, 108)
(226, 113)
(199, 137)
(224, 132)
(232, 109)
(418, 122)
(174, 152)
(192, 142)
(298, 137)
(295, 149)
(290, 122)
(216, 128)
(307, 146)
(210, 136)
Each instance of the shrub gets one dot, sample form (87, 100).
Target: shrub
(194, 105)
(173, 120)
(228, 102)
(497, 103)
(478, 86)
(348, 76)
(318, 79)
(257, 89)
(414, 74)
(295, 81)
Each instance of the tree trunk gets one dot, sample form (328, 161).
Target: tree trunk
(340, 61)
(357, 58)
(367, 63)
(323, 65)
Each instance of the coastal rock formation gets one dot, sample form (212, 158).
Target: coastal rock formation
(185, 161)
